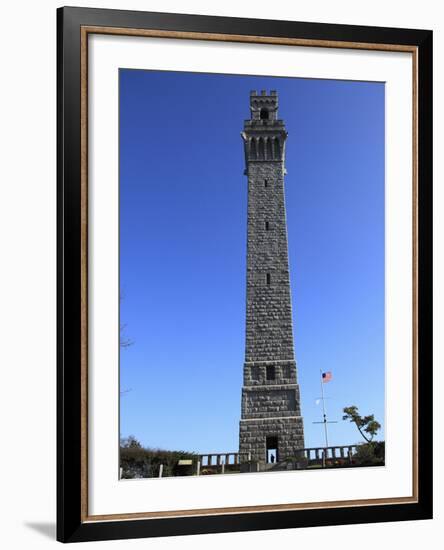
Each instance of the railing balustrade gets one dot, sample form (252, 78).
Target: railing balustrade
(312, 454)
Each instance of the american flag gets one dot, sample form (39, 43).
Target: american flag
(326, 376)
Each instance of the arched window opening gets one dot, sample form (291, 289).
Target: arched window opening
(261, 149)
(277, 149)
(269, 150)
(253, 151)
(264, 114)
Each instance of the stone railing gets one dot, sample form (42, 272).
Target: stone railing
(318, 454)
(217, 459)
(313, 455)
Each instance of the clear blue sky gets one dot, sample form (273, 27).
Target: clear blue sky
(183, 211)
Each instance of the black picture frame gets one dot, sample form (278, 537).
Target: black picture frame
(71, 524)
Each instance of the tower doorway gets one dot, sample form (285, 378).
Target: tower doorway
(272, 450)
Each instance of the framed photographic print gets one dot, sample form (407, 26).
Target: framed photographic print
(244, 274)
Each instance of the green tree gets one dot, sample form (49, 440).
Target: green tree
(370, 454)
(365, 424)
(130, 442)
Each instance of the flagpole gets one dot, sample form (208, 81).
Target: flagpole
(323, 410)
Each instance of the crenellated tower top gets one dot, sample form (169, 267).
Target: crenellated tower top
(264, 134)
(264, 107)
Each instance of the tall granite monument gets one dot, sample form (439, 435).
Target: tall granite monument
(271, 427)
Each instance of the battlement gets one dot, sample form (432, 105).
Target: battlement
(263, 93)
(264, 107)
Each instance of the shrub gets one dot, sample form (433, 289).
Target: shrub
(139, 462)
(370, 454)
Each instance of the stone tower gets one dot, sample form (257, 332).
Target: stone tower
(271, 427)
